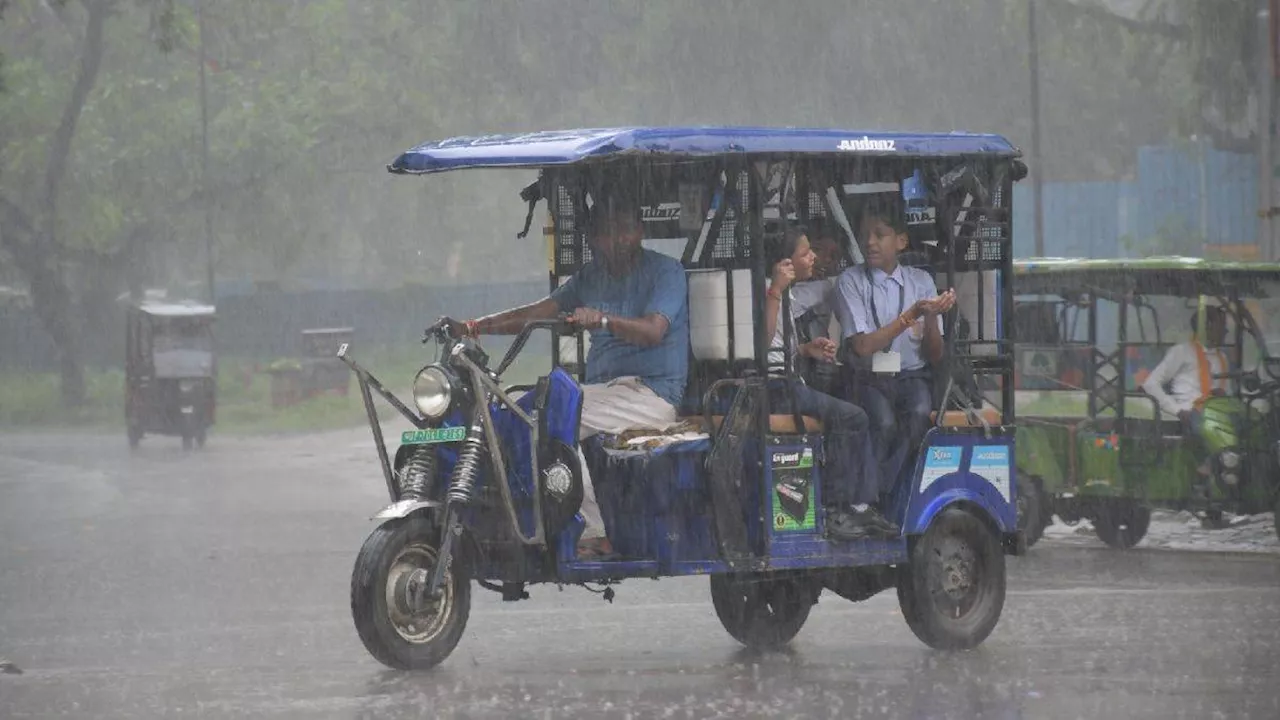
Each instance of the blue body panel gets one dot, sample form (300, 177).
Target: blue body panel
(657, 509)
(565, 147)
(962, 466)
(563, 416)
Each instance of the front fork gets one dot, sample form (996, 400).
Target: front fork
(480, 434)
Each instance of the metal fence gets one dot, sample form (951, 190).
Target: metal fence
(267, 325)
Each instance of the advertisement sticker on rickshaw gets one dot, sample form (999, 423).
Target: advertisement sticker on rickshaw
(433, 435)
(992, 464)
(793, 506)
(939, 462)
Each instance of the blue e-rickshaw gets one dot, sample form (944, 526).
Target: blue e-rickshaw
(487, 484)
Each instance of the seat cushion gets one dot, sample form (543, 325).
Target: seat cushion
(958, 418)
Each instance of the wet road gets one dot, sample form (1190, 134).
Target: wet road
(215, 585)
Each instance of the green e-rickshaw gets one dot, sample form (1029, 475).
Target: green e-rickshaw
(1094, 443)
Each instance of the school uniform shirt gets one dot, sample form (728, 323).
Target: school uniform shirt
(1180, 369)
(805, 296)
(856, 287)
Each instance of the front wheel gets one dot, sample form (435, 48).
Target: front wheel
(398, 625)
(761, 612)
(952, 589)
(1122, 525)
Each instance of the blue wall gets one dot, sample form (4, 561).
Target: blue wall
(1088, 219)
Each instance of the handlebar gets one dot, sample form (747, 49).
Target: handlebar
(560, 324)
(446, 330)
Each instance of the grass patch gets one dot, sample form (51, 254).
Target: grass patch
(32, 400)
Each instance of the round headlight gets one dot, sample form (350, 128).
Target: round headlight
(1230, 460)
(432, 392)
(1231, 479)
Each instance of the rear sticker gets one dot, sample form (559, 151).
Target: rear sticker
(991, 463)
(793, 506)
(940, 461)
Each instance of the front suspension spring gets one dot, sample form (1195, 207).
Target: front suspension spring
(467, 469)
(418, 473)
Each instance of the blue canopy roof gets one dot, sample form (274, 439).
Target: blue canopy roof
(563, 147)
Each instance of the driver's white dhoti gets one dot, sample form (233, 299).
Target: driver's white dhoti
(623, 403)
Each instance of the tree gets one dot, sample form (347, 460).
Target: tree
(32, 230)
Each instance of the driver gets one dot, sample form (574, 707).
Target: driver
(634, 302)
(1189, 369)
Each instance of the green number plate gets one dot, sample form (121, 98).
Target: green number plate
(433, 435)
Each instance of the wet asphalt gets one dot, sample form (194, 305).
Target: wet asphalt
(214, 584)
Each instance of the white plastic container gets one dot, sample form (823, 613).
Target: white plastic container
(967, 305)
(709, 314)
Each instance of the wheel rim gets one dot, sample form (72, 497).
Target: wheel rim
(411, 567)
(956, 576)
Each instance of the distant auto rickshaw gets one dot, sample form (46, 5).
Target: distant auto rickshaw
(487, 483)
(1093, 443)
(170, 371)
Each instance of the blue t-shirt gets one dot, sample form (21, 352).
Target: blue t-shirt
(656, 284)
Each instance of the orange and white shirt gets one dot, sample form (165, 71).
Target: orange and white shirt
(1188, 369)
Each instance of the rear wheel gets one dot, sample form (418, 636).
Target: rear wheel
(1122, 525)
(135, 436)
(398, 625)
(761, 612)
(952, 590)
(1031, 510)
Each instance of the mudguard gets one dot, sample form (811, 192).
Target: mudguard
(962, 466)
(405, 508)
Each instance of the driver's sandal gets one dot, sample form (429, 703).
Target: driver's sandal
(596, 550)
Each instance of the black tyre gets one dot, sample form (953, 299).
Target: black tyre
(396, 557)
(761, 612)
(1276, 516)
(201, 436)
(952, 590)
(187, 441)
(1032, 510)
(135, 436)
(1122, 525)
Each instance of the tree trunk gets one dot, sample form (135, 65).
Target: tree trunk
(52, 303)
(38, 252)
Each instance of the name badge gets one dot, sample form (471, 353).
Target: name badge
(886, 362)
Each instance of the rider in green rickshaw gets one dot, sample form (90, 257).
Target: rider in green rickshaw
(1193, 371)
